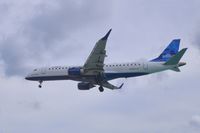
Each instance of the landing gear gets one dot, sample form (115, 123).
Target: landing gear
(40, 85)
(101, 89)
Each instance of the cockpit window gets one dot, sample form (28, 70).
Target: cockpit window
(35, 70)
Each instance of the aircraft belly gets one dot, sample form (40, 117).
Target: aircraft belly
(110, 76)
(63, 77)
(49, 78)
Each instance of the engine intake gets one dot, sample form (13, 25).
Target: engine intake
(85, 86)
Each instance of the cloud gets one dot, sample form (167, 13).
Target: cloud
(33, 33)
(32, 105)
(41, 28)
(196, 40)
(53, 24)
(195, 121)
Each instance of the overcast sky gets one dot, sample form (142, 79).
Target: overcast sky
(37, 33)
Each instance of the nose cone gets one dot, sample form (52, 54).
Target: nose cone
(27, 78)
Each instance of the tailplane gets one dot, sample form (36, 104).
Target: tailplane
(174, 61)
(176, 69)
(170, 51)
(176, 58)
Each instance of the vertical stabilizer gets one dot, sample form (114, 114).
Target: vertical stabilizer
(170, 51)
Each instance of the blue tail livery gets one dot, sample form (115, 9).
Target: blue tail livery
(170, 51)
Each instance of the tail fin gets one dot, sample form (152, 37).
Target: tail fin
(176, 58)
(170, 51)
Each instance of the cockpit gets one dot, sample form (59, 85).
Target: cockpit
(35, 72)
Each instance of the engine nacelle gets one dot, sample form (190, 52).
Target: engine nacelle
(85, 86)
(75, 71)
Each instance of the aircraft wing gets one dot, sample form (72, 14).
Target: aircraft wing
(110, 86)
(95, 62)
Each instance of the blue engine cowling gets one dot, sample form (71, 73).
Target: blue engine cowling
(85, 86)
(76, 71)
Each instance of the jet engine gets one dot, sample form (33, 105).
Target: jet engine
(75, 71)
(85, 86)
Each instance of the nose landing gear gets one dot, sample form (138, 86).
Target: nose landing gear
(40, 85)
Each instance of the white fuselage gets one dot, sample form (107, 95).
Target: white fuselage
(111, 71)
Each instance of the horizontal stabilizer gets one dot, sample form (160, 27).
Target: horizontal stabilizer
(110, 86)
(176, 58)
(176, 69)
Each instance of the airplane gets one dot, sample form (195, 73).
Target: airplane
(95, 73)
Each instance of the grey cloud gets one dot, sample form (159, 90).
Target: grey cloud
(160, 76)
(145, 105)
(196, 40)
(13, 55)
(46, 29)
(32, 105)
(3, 9)
(195, 121)
(35, 105)
(51, 25)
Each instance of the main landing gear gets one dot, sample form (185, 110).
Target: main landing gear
(40, 85)
(101, 89)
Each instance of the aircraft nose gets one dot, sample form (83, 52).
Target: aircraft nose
(27, 78)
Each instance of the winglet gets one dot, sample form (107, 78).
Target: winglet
(121, 86)
(106, 36)
(110, 86)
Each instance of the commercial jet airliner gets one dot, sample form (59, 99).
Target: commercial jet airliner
(95, 73)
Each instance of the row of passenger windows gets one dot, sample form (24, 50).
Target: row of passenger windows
(58, 68)
(114, 65)
(123, 65)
